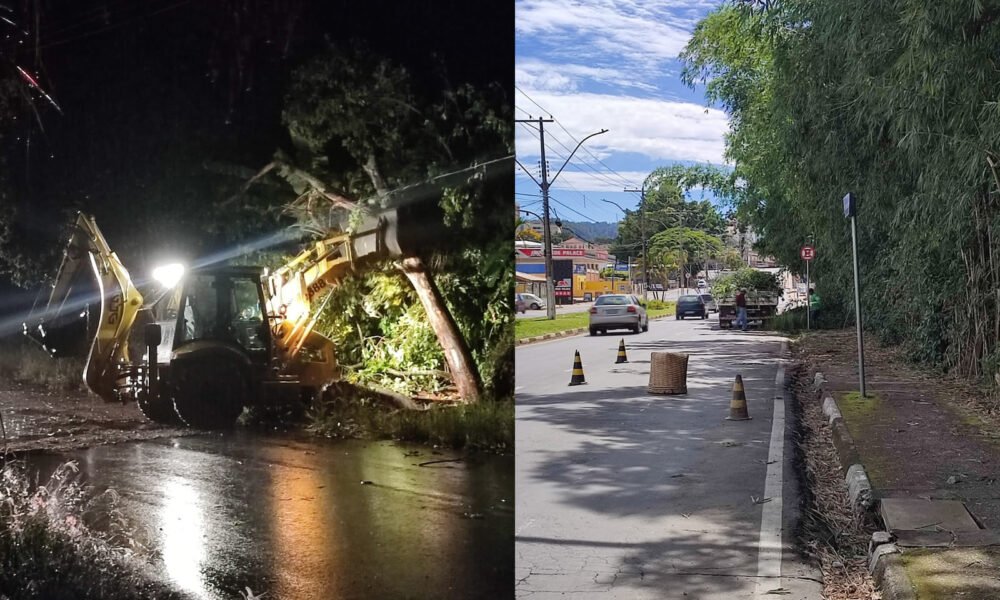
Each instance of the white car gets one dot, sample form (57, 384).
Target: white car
(618, 311)
(710, 304)
(532, 301)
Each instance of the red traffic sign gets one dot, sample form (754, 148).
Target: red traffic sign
(807, 253)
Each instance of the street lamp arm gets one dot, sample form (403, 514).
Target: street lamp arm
(553, 180)
(614, 203)
(527, 172)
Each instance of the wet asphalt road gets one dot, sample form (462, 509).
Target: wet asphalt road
(292, 518)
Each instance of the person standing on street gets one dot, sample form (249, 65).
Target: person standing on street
(741, 309)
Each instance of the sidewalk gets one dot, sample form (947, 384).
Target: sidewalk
(931, 450)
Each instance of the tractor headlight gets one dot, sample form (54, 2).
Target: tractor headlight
(168, 275)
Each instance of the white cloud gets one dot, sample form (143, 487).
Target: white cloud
(662, 130)
(542, 75)
(640, 30)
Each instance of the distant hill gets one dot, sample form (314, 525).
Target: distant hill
(593, 231)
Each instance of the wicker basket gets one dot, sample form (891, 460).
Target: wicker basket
(668, 373)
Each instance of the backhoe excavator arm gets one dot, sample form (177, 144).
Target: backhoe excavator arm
(296, 290)
(119, 304)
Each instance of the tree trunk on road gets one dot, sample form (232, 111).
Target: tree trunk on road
(456, 352)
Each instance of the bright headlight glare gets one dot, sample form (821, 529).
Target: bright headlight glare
(168, 275)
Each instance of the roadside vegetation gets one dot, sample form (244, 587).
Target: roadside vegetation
(24, 362)
(826, 98)
(59, 540)
(482, 427)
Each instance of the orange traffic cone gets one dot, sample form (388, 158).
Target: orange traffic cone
(621, 353)
(577, 378)
(738, 405)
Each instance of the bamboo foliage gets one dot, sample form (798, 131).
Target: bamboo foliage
(894, 101)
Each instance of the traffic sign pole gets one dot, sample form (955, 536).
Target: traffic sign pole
(807, 253)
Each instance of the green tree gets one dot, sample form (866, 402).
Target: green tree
(684, 249)
(364, 134)
(896, 103)
(667, 206)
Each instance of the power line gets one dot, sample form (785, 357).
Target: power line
(569, 208)
(621, 177)
(531, 130)
(601, 175)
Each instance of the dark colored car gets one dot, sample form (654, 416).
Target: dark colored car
(691, 306)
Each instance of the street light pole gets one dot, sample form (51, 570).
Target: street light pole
(545, 184)
(642, 233)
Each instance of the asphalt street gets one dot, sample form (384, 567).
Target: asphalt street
(298, 518)
(624, 494)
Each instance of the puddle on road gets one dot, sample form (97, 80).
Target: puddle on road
(301, 519)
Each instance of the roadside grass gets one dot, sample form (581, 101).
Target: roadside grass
(527, 328)
(486, 426)
(25, 362)
(59, 540)
(790, 321)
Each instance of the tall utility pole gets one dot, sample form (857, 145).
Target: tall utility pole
(642, 232)
(544, 184)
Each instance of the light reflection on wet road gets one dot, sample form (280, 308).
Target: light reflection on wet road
(292, 518)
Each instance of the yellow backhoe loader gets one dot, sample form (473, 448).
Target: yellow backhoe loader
(214, 339)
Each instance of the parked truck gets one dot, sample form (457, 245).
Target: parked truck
(761, 306)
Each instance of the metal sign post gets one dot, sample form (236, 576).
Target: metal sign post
(808, 253)
(850, 210)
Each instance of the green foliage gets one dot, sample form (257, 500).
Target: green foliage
(790, 321)
(365, 128)
(748, 279)
(682, 249)
(896, 103)
(667, 206)
(658, 305)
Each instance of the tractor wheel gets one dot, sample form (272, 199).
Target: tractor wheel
(158, 409)
(210, 394)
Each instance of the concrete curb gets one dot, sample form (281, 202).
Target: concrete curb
(552, 336)
(884, 560)
(567, 333)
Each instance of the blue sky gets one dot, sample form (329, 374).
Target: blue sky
(608, 64)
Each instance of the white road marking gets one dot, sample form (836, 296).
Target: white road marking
(769, 545)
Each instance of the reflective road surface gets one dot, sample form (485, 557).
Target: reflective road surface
(301, 519)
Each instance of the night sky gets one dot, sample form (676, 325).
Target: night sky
(152, 91)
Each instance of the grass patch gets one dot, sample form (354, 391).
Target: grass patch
(854, 405)
(59, 541)
(790, 321)
(25, 362)
(526, 328)
(487, 426)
